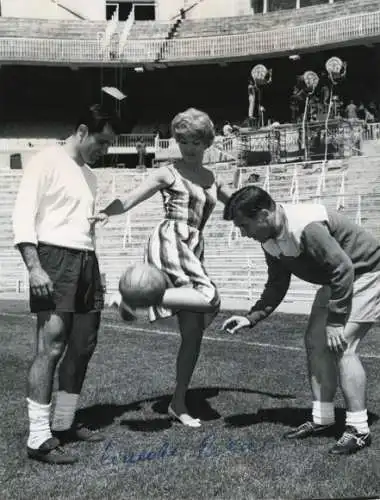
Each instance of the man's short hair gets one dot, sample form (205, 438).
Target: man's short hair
(97, 117)
(248, 200)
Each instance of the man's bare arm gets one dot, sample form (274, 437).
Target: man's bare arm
(40, 281)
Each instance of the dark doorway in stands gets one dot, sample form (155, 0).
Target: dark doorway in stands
(144, 11)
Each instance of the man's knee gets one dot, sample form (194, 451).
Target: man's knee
(349, 350)
(51, 334)
(353, 333)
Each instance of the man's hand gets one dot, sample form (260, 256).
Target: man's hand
(235, 323)
(40, 282)
(335, 338)
(99, 217)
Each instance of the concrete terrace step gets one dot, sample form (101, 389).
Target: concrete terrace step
(239, 269)
(270, 20)
(236, 266)
(234, 276)
(213, 260)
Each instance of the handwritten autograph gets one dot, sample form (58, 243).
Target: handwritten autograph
(208, 447)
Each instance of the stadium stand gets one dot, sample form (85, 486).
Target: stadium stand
(235, 264)
(60, 42)
(147, 30)
(272, 20)
(50, 29)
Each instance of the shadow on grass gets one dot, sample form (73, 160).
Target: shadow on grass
(290, 417)
(103, 415)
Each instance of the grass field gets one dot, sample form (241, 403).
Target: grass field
(249, 389)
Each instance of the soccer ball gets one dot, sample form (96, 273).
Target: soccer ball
(142, 285)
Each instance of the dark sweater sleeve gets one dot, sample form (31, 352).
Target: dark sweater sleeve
(326, 252)
(274, 291)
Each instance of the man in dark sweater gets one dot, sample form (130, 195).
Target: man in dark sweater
(323, 247)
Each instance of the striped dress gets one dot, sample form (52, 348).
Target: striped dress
(176, 245)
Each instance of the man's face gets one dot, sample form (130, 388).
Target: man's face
(92, 146)
(259, 226)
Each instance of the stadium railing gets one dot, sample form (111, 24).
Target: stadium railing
(125, 141)
(131, 140)
(371, 131)
(323, 33)
(228, 149)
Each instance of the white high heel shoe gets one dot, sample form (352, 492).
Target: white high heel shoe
(184, 418)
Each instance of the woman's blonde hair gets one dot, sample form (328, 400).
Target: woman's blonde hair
(195, 123)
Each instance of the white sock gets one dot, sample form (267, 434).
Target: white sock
(359, 420)
(323, 413)
(64, 410)
(39, 423)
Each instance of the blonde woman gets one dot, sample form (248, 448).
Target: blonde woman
(176, 246)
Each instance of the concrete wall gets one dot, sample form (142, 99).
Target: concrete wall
(220, 8)
(274, 5)
(46, 9)
(167, 9)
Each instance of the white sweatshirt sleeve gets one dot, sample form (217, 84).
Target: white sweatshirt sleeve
(31, 190)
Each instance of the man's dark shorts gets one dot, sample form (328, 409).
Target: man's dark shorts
(76, 280)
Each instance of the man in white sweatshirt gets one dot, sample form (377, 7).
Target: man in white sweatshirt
(56, 240)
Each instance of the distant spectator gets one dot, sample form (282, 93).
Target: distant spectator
(369, 118)
(337, 106)
(141, 152)
(251, 102)
(351, 111)
(158, 132)
(325, 96)
(227, 129)
(274, 124)
(262, 111)
(253, 178)
(296, 100)
(372, 108)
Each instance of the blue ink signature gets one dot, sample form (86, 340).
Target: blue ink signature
(112, 456)
(209, 447)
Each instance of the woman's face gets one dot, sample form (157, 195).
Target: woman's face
(192, 148)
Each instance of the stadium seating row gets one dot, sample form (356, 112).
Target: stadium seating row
(148, 30)
(80, 51)
(272, 20)
(235, 263)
